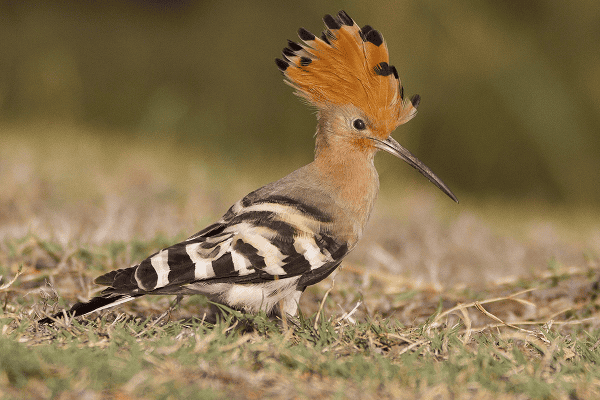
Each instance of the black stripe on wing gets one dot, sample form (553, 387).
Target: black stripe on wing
(294, 263)
(317, 275)
(305, 209)
(210, 231)
(181, 266)
(327, 244)
(255, 198)
(267, 219)
(250, 253)
(146, 274)
(223, 266)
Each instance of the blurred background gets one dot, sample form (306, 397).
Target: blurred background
(509, 117)
(510, 90)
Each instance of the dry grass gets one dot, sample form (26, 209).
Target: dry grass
(428, 307)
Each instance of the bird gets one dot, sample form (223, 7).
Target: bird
(294, 232)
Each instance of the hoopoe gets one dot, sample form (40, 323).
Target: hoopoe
(293, 233)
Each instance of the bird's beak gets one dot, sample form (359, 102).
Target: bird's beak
(393, 147)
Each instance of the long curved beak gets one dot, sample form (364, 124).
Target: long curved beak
(393, 147)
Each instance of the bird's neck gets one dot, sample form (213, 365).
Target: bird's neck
(346, 171)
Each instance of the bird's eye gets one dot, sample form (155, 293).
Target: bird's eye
(359, 124)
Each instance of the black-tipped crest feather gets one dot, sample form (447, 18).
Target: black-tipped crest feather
(282, 65)
(331, 22)
(345, 18)
(305, 35)
(374, 37)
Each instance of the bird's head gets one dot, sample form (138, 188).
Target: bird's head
(346, 74)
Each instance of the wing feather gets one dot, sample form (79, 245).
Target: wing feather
(253, 243)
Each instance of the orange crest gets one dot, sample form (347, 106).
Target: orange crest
(348, 65)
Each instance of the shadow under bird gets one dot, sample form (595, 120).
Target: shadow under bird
(292, 233)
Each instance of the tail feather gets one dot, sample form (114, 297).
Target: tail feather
(95, 304)
(122, 279)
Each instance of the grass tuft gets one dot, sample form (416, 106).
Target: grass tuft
(504, 341)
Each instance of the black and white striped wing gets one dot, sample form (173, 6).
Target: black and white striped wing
(255, 242)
